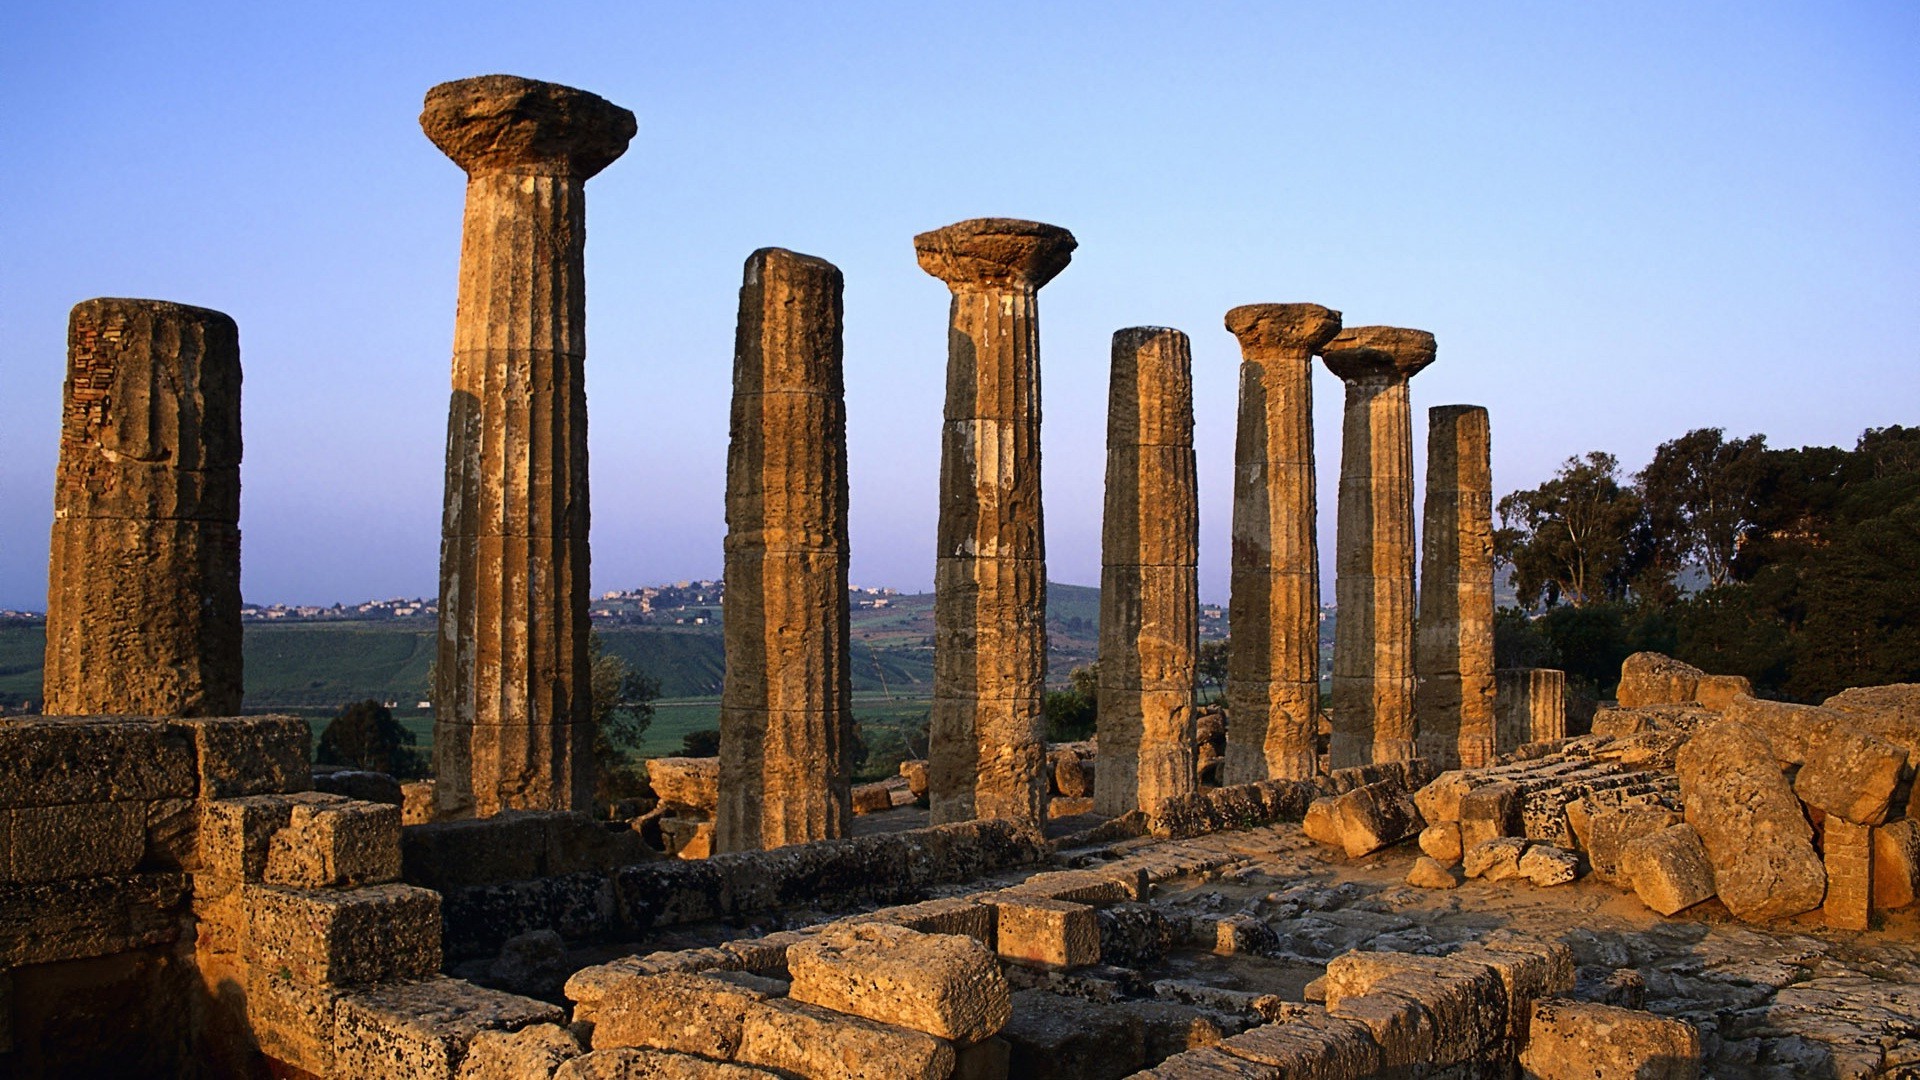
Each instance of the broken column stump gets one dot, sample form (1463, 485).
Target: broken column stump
(1273, 658)
(786, 703)
(1373, 672)
(1149, 582)
(990, 602)
(513, 725)
(1453, 655)
(143, 587)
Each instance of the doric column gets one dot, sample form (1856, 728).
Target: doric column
(1453, 654)
(1149, 578)
(785, 712)
(990, 578)
(143, 587)
(512, 710)
(1273, 657)
(1373, 563)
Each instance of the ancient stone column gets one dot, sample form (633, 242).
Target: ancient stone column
(143, 587)
(1373, 562)
(512, 715)
(785, 711)
(1149, 578)
(1453, 652)
(990, 578)
(1273, 657)
(1530, 705)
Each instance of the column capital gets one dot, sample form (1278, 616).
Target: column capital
(506, 124)
(1360, 352)
(995, 253)
(1268, 330)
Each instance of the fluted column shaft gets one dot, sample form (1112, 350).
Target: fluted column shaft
(143, 583)
(1149, 579)
(1373, 676)
(990, 606)
(1273, 656)
(1454, 702)
(513, 716)
(786, 706)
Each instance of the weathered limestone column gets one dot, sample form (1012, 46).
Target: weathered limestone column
(512, 715)
(990, 578)
(1149, 578)
(143, 587)
(1373, 563)
(786, 706)
(1530, 705)
(1273, 657)
(1453, 654)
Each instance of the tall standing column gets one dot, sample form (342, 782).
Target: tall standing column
(1373, 563)
(512, 709)
(143, 587)
(990, 578)
(1149, 578)
(786, 705)
(1453, 655)
(1273, 657)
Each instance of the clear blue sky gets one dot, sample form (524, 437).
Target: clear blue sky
(1621, 220)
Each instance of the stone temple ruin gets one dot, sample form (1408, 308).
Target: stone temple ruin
(1446, 876)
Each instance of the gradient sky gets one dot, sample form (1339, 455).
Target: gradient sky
(1622, 221)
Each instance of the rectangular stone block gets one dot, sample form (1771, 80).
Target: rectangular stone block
(1577, 1040)
(77, 840)
(803, 1040)
(1669, 869)
(41, 922)
(476, 851)
(421, 1030)
(250, 755)
(57, 760)
(346, 844)
(1528, 972)
(1051, 933)
(1465, 1002)
(1209, 1063)
(346, 936)
(235, 835)
(1896, 863)
(1400, 1027)
(693, 1014)
(292, 1021)
(1314, 1044)
(946, 985)
(955, 915)
(1489, 811)
(1848, 852)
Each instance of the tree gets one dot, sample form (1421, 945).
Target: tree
(1072, 714)
(366, 736)
(1700, 494)
(622, 712)
(1210, 665)
(702, 743)
(1568, 539)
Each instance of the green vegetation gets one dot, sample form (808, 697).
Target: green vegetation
(1803, 561)
(366, 736)
(1070, 713)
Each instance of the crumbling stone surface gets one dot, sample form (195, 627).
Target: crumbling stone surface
(687, 1013)
(1896, 864)
(990, 572)
(1669, 869)
(1610, 829)
(1851, 774)
(1373, 670)
(1761, 846)
(1572, 1040)
(1651, 678)
(343, 937)
(629, 1064)
(689, 783)
(1496, 859)
(1530, 705)
(1847, 854)
(143, 586)
(946, 985)
(794, 1038)
(1891, 712)
(1372, 817)
(347, 844)
(1312, 1044)
(1149, 585)
(1050, 933)
(423, 1029)
(1441, 842)
(1055, 1037)
(786, 706)
(1454, 699)
(1546, 865)
(513, 564)
(1273, 664)
(1430, 873)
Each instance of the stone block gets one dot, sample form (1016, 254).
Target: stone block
(343, 937)
(343, 844)
(946, 985)
(1398, 1024)
(1322, 821)
(1611, 829)
(1570, 1040)
(361, 784)
(688, 1013)
(1313, 1045)
(1847, 850)
(1669, 870)
(1091, 886)
(1430, 873)
(916, 773)
(1439, 799)
(1851, 774)
(1441, 842)
(1546, 865)
(984, 1060)
(1173, 1027)
(1896, 863)
(292, 1021)
(249, 755)
(58, 760)
(630, 1064)
(41, 922)
(953, 915)
(1206, 1063)
(1761, 846)
(1494, 860)
(477, 851)
(1055, 1037)
(531, 1053)
(795, 1038)
(1465, 1002)
(1052, 933)
(1528, 970)
(1375, 816)
(236, 835)
(416, 802)
(692, 783)
(872, 798)
(421, 1030)
(1489, 811)
(76, 840)
(1891, 712)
